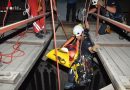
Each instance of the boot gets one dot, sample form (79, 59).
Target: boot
(69, 85)
(42, 32)
(39, 35)
(108, 30)
(93, 48)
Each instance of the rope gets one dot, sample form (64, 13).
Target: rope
(16, 49)
(8, 6)
(84, 21)
(58, 72)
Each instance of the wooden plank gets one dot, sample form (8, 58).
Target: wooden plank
(32, 57)
(111, 68)
(5, 49)
(28, 38)
(12, 67)
(28, 64)
(123, 56)
(108, 87)
(108, 61)
(18, 61)
(14, 58)
(115, 57)
(118, 60)
(125, 81)
(108, 39)
(126, 51)
(49, 26)
(22, 64)
(114, 45)
(9, 77)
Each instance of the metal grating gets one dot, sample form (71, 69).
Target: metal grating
(44, 77)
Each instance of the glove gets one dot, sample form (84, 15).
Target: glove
(94, 48)
(63, 49)
(86, 24)
(101, 3)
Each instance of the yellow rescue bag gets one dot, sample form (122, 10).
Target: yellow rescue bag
(63, 57)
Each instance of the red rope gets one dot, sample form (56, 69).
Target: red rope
(58, 71)
(8, 6)
(16, 49)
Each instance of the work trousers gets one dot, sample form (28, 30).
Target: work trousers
(71, 8)
(34, 5)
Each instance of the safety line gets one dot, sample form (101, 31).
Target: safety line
(97, 22)
(53, 25)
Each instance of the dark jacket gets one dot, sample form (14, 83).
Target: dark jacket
(71, 1)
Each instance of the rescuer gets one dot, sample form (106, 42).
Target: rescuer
(37, 7)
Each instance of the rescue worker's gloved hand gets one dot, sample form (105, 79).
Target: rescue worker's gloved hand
(86, 24)
(94, 48)
(63, 49)
(101, 3)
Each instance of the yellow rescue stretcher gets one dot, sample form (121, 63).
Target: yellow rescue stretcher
(63, 57)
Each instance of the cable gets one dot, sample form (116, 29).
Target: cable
(8, 6)
(58, 72)
(84, 21)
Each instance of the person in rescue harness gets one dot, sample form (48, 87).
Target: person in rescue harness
(110, 9)
(35, 9)
(87, 51)
(81, 33)
(71, 7)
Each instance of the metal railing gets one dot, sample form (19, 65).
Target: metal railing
(118, 24)
(20, 23)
